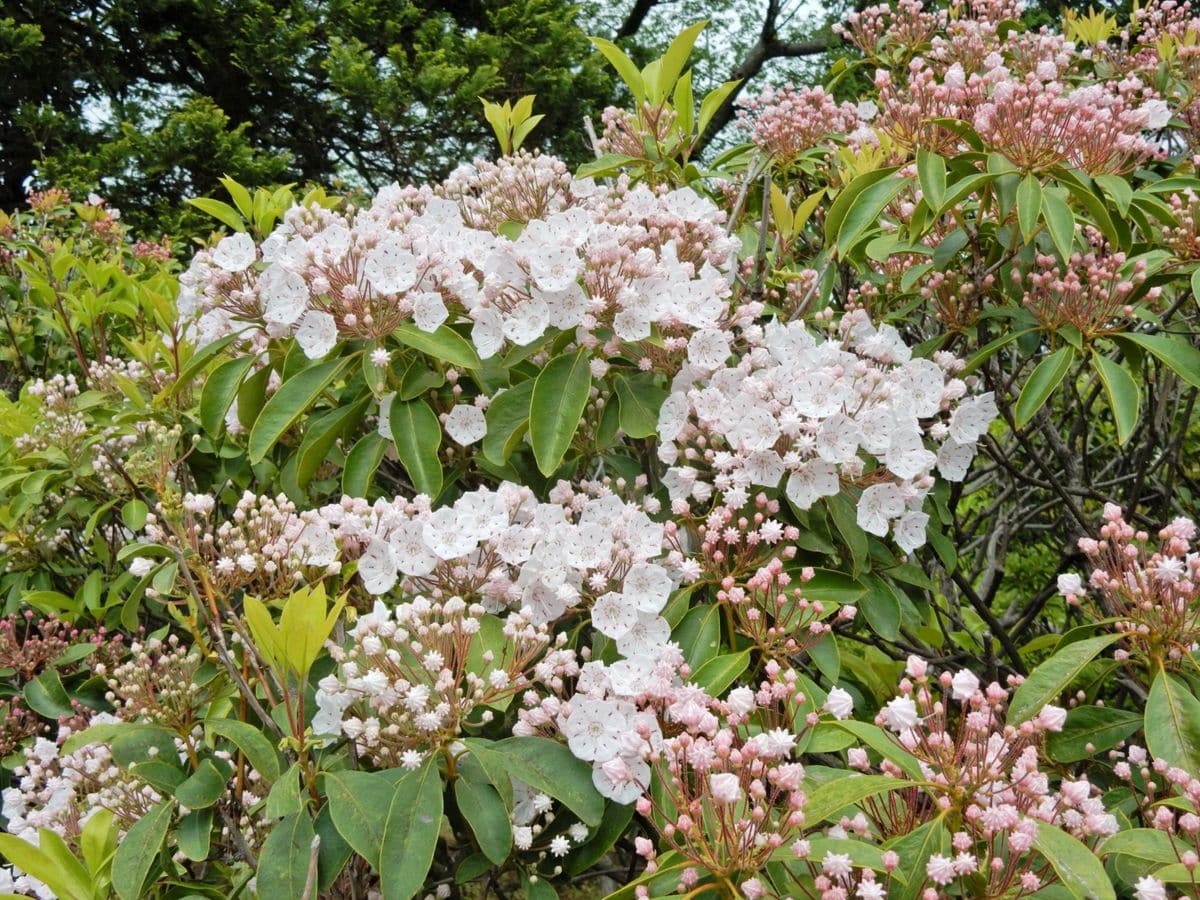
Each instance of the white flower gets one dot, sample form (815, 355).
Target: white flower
(1071, 585)
(940, 869)
(649, 633)
(613, 615)
(909, 530)
(725, 787)
(376, 568)
(1157, 113)
(429, 311)
(970, 420)
(878, 504)
(708, 349)
(811, 481)
(390, 267)
(317, 333)
(839, 703)
(900, 714)
(235, 253)
(1149, 888)
(647, 587)
(286, 294)
(466, 424)
(594, 729)
(141, 567)
(964, 685)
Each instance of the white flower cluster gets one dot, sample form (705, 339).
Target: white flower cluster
(504, 549)
(626, 259)
(812, 414)
(61, 791)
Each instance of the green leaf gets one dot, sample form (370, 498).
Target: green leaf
(641, 400)
(359, 804)
(1029, 205)
(70, 869)
(625, 67)
(194, 834)
(721, 671)
(417, 434)
(827, 657)
(410, 834)
(1124, 398)
(321, 435)
(845, 519)
(931, 173)
(846, 199)
(219, 392)
(240, 196)
(1060, 222)
(133, 514)
(1047, 682)
(203, 788)
(445, 344)
(863, 214)
(831, 797)
(699, 634)
(1175, 353)
(484, 811)
(507, 419)
(284, 860)
(47, 696)
(882, 743)
(914, 850)
(560, 395)
(138, 850)
(253, 744)
(600, 839)
(1078, 869)
(1041, 384)
(334, 852)
(1144, 843)
(222, 212)
(1091, 730)
(991, 347)
(676, 57)
(288, 404)
(1173, 723)
(40, 865)
(546, 766)
(361, 462)
(881, 607)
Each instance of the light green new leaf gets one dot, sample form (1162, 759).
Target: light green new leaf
(264, 631)
(305, 625)
(42, 866)
(222, 212)
(560, 395)
(625, 67)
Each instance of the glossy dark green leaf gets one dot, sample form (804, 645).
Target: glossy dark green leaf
(481, 806)
(560, 395)
(1045, 379)
(417, 434)
(284, 861)
(293, 399)
(410, 833)
(137, 852)
(219, 392)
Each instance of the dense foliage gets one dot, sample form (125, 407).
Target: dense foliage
(813, 522)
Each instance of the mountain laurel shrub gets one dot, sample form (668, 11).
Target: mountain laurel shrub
(812, 521)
